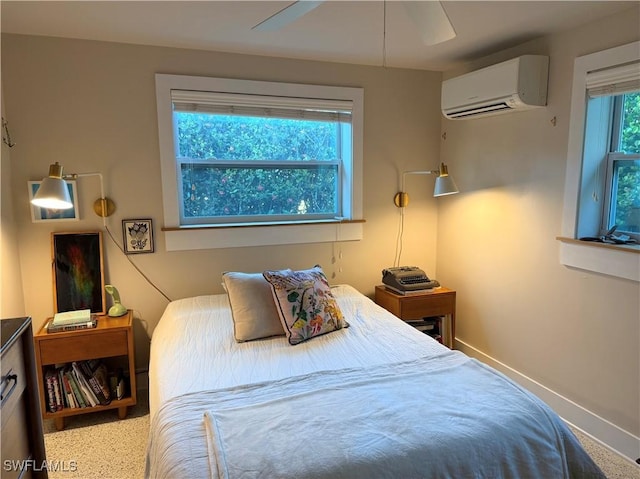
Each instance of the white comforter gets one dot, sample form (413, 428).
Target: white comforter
(404, 405)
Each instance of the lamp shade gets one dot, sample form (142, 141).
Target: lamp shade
(445, 186)
(53, 192)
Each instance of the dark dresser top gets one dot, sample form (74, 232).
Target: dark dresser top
(11, 329)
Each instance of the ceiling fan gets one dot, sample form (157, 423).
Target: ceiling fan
(429, 16)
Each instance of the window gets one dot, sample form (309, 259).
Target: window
(602, 176)
(611, 165)
(247, 153)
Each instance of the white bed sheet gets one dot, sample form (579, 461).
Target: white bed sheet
(205, 356)
(197, 369)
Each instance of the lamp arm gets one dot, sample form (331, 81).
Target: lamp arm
(105, 205)
(75, 176)
(417, 172)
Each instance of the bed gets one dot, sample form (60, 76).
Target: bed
(375, 399)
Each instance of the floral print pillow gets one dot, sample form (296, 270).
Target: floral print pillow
(306, 306)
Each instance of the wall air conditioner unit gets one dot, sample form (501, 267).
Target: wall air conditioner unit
(514, 85)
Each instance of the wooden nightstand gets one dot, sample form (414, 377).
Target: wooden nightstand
(438, 302)
(111, 340)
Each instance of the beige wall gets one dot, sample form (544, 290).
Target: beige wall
(91, 106)
(11, 296)
(576, 332)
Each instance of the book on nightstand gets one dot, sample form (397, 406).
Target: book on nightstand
(72, 317)
(51, 327)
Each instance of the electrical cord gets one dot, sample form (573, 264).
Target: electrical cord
(398, 255)
(134, 265)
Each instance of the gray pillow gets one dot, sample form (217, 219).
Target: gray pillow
(252, 306)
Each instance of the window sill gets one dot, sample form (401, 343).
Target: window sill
(240, 235)
(622, 261)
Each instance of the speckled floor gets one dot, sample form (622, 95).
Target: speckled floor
(100, 446)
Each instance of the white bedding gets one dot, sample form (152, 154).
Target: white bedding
(182, 361)
(206, 390)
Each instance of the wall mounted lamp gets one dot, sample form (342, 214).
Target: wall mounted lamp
(53, 192)
(444, 185)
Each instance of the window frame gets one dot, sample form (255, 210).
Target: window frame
(179, 236)
(610, 186)
(618, 261)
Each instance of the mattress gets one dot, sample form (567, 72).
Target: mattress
(376, 399)
(193, 347)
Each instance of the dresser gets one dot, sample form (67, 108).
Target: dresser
(23, 453)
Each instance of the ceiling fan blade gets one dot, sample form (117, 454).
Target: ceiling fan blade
(432, 21)
(287, 15)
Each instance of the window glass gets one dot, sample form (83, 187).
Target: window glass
(630, 130)
(624, 211)
(622, 193)
(236, 168)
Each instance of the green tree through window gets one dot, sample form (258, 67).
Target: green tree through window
(625, 188)
(248, 166)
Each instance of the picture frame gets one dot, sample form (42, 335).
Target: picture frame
(137, 236)
(78, 272)
(39, 215)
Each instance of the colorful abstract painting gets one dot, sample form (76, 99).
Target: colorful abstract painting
(78, 273)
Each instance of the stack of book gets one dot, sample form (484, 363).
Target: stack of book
(77, 384)
(433, 326)
(72, 320)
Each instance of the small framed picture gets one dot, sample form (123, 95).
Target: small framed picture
(138, 236)
(44, 214)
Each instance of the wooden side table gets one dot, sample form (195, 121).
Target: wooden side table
(111, 340)
(437, 302)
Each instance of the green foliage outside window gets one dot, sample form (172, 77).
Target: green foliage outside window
(284, 186)
(630, 142)
(626, 195)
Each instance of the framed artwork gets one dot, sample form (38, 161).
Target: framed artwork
(78, 272)
(44, 214)
(137, 236)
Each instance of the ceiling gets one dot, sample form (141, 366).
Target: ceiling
(337, 31)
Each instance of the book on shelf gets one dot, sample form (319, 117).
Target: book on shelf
(117, 384)
(72, 317)
(432, 326)
(94, 379)
(53, 392)
(84, 385)
(71, 400)
(58, 328)
(77, 392)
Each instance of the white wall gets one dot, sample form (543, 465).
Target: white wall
(91, 106)
(576, 332)
(11, 295)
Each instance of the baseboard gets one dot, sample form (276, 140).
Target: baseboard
(605, 432)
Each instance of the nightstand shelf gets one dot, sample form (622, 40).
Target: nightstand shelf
(111, 340)
(415, 306)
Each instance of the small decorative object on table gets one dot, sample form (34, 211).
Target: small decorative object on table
(138, 236)
(117, 309)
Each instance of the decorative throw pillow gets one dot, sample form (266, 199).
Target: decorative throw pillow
(254, 313)
(305, 304)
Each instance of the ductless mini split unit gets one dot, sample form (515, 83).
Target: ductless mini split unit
(514, 85)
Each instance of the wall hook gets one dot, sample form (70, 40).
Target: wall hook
(6, 136)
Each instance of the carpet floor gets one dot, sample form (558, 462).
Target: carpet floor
(100, 446)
